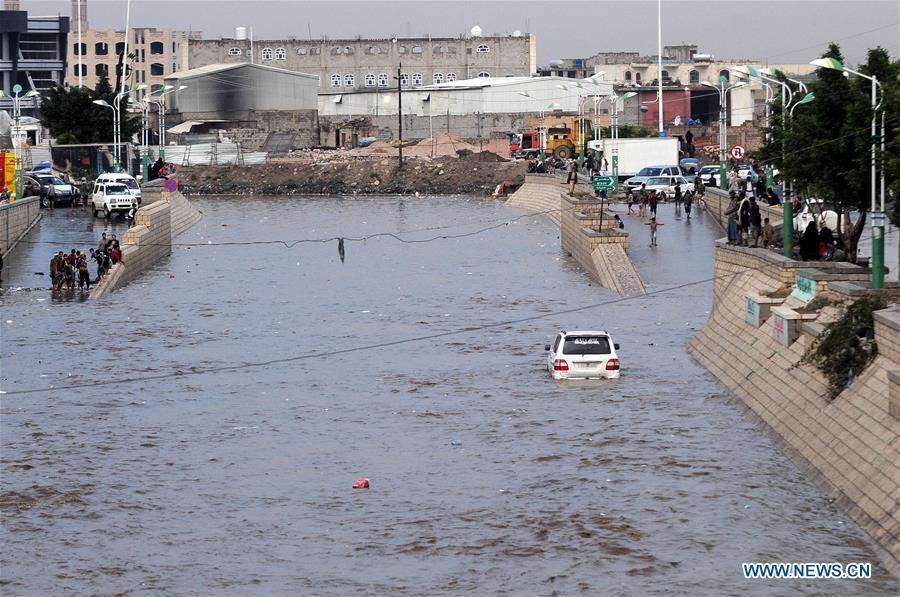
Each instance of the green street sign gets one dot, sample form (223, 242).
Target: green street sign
(605, 183)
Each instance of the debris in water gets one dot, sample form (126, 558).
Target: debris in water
(341, 249)
(361, 483)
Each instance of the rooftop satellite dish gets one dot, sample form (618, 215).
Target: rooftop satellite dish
(475, 31)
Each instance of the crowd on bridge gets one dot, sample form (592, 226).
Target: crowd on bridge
(67, 270)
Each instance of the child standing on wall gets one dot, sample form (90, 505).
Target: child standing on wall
(653, 226)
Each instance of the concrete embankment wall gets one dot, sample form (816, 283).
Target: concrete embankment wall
(597, 244)
(162, 217)
(16, 219)
(850, 445)
(539, 193)
(716, 202)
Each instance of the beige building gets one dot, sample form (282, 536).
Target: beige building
(154, 54)
(345, 65)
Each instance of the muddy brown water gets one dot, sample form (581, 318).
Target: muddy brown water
(487, 477)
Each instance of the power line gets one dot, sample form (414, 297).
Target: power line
(306, 356)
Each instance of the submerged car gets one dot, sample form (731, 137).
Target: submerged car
(583, 355)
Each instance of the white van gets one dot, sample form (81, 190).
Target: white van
(111, 197)
(122, 178)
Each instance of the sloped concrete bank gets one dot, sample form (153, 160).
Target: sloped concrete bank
(594, 241)
(753, 343)
(162, 217)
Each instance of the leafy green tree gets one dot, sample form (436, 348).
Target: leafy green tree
(825, 149)
(72, 116)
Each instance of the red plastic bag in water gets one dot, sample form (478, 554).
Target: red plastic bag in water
(361, 483)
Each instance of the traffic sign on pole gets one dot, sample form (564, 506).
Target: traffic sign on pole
(605, 183)
(737, 152)
(171, 185)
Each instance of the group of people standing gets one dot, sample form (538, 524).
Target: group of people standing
(69, 270)
(745, 222)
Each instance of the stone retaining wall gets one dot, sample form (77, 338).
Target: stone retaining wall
(597, 244)
(850, 444)
(539, 193)
(162, 217)
(16, 219)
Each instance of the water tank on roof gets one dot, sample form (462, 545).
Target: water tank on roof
(702, 57)
(475, 31)
(240, 33)
(517, 33)
(556, 62)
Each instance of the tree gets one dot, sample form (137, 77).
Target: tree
(72, 116)
(826, 145)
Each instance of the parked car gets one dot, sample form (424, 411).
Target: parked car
(51, 186)
(649, 172)
(665, 186)
(745, 171)
(110, 198)
(710, 175)
(583, 355)
(813, 209)
(125, 179)
(689, 166)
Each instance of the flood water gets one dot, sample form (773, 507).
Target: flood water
(487, 476)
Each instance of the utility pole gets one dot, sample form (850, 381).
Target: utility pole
(400, 116)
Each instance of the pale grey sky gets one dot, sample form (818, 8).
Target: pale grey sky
(774, 31)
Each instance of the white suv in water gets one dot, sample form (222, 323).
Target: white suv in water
(583, 355)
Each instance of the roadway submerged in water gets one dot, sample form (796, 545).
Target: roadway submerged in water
(486, 475)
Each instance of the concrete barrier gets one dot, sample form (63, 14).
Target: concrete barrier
(590, 235)
(716, 202)
(849, 445)
(539, 194)
(161, 218)
(16, 220)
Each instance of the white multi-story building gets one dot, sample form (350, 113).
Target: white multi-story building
(344, 65)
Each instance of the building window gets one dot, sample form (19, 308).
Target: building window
(157, 69)
(315, 51)
(416, 79)
(280, 54)
(484, 75)
(235, 52)
(637, 78)
(695, 77)
(417, 49)
(267, 53)
(628, 75)
(374, 50)
(404, 79)
(120, 48)
(438, 78)
(349, 80)
(483, 49)
(401, 50)
(383, 80)
(723, 74)
(79, 49)
(301, 51)
(451, 77)
(157, 47)
(83, 72)
(101, 70)
(335, 80)
(665, 76)
(370, 80)
(101, 49)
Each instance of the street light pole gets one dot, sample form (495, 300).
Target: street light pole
(659, 58)
(877, 215)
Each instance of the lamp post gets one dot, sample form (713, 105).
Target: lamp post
(723, 98)
(16, 131)
(582, 141)
(542, 137)
(659, 92)
(614, 128)
(162, 92)
(877, 215)
(106, 104)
